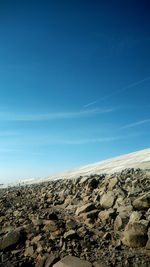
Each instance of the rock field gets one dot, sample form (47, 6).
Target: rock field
(93, 221)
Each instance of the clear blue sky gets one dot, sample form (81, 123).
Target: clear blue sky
(74, 83)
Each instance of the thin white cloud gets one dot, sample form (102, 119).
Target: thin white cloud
(134, 124)
(94, 140)
(90, 104)
(11, 116)
(29, 142)
(8, 133)
(117, 92)
(12, 150)
(88, 140)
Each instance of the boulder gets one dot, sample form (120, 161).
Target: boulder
(135, 235)
(107, 200)
(112, 183)
(50, 260)
(71, 261)
(143, 202)
(11, 239)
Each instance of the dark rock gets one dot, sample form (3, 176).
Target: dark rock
(135, 235)
(11, 239)
(85, 208)
(143, 202)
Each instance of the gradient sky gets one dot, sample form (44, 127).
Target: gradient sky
(74, 83)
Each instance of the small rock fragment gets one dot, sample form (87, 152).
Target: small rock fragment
(85, 208)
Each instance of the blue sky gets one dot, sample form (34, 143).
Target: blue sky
(74, 83)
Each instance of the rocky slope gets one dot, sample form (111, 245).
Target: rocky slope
(95, 221)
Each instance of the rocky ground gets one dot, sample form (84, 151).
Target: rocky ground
(95, 221)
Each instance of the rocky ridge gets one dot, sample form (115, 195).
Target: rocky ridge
(93, 221)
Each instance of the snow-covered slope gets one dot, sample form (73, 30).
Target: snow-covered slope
(139, 159)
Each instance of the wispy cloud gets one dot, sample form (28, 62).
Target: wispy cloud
(11, 116)
(9, 133)
(134, 124)
(94, 140)
(89, 140)
(90, 104)
(12, 150)
(24, 143)
(132, 85)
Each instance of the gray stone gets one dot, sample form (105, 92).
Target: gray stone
(135, 235)
(142, 203)
(41, 261)
(71, 261)
(99, 264)
(120, 223)
(112, 183)
(148, 244)
(93, 214)
(50, 260)
(135, 217)
(125, 211)
(85, 208)
(29, 251)
(107, 200)
(106, 215)
(11, 239)
(69, 234)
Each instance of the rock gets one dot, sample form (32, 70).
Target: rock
(11, 239)
(50, 260)
(93, 214)
(120, 223)
(71, 261)
(7, 264)
(112, 183)
(143, 202)
(99, 264)
(148, 242)
(107, 200)
(125, 211)
(2, 218)
(83, 180)
(71, 224)
(135, 235)
(40, 262)
(69, 234)
(50, 225)
(106, 215)
(29, 251)
(135, 216)
(85, 208)
(36, 239)
(107, 236)
(93, 183)
(37, 222)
